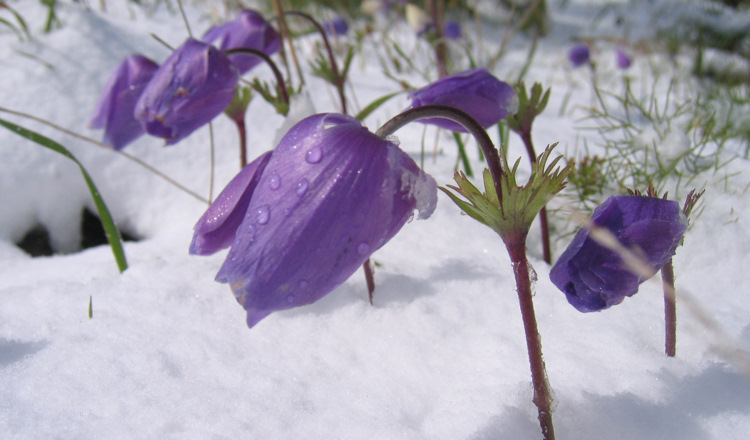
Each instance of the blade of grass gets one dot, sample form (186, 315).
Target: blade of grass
(113, 235)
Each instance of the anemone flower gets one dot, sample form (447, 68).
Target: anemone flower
(475, 91)
(114, 112)
(594, 277)
(194, 85)
(579, 55)
(314, 211)
(337, 26)
(452, 30)
(623, 59)
(249, 30)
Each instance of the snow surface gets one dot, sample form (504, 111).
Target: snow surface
(441, 355)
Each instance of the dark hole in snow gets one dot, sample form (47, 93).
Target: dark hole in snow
(37, 242)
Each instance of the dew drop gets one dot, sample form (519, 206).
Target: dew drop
(263, 215)
(303, 284)
(302, 187)
(314, 155)
(363, 247)
(290, 298)
(275, 182)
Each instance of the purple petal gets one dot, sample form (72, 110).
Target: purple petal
(193, 86)
(337, 26)
(475, 91)
(452, 30)
(249, 30)
(593, 277)
(623, 60)
(215, 230)
(331, 194)
(114, 112)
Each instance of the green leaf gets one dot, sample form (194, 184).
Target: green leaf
(371, 107)
(110, 230)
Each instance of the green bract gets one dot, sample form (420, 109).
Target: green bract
(510, 212)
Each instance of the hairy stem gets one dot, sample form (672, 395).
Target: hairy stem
(670, 310)
(546, 250)
(542, 392)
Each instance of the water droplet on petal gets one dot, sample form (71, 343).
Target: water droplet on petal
(314, 155)
(302, 186)
(275, 182)
(303, 284)
(363, 247)
(290, 298)
(263, 214)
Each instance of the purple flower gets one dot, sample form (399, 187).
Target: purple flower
(592, 276)
(194, 85)
(114, 113)
(216, 228)
(249, 30)
(330, 195)
(579, 55)
(623, 60)
(475, 91)
(337, 26)
(452, 30)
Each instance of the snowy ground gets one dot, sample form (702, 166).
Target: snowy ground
(441, 355)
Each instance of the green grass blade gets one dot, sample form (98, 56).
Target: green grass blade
(371, 107)
(113, 235)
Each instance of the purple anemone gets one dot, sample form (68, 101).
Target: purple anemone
(579, 55)
(337, 26)
(114, 113)
(452, 30)
(330, 195)
(475, 91)
(249, 30)
(194, 85)
(623, 59)
(594, 277)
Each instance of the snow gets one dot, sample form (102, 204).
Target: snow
(441, 354)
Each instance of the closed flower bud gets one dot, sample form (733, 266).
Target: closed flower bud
(623, 60)
(594, 277)
(114, 113)
(475, 91)
(249, 30)
(193, 86)
(331, 194)
(579, 55)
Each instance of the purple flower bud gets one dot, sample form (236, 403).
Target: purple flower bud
(452, 30)
(114, 113)
(592, 276)
(579, 55)
(194, 85)
(331, 194)
(623, 60)
(475, 91)
(216, 228)
(249, 30)
(337, 26)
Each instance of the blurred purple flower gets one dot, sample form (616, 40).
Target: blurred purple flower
(194, 85)
(337, 26)
(475, 91)
(452, 30)
(216, 228)
(249, 30)
(330, 195)
(592, 276)
(114, 113)
(623, 60)
(579, 55)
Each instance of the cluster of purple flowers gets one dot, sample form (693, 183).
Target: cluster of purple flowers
(580, 54)
(194, 85)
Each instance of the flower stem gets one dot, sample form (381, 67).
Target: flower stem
(339, 79)
(670, 310)
(495, 161)
(437, 11)
(276, 72)
(542, 393)
(242, 131)
(546, 250)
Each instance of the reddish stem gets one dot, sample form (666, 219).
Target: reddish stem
(546, 250)
(670, 310)
(241, 129)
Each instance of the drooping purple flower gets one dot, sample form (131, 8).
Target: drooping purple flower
(216, 228)
(623, 59)
(337, 26)
(194, 85)
(452, 30)
(114, 112)
(594, 277)
(475, 91)
(579, 55)
(331, 194)
(249, 30)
